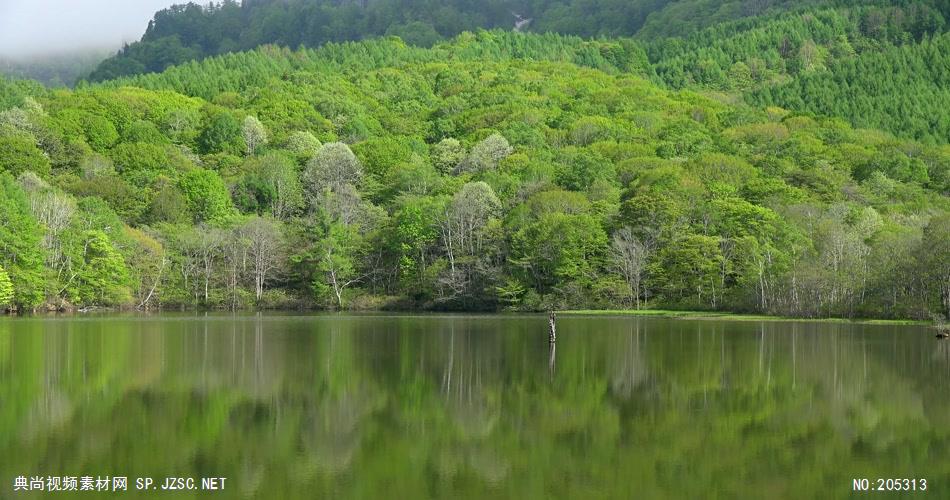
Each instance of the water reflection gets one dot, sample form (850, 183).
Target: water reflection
(455, 406)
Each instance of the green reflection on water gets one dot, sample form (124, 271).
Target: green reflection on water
(475, 406)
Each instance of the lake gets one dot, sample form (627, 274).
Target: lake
(444, 406)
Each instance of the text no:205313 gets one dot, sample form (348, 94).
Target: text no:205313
(889, 484)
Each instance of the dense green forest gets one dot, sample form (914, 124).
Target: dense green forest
(500, 170)
(879, 67)
(878, 64)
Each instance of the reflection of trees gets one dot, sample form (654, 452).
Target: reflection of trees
(332, 430)
(467, 403)
(334, 417)
(469, 407)
(453, 406)
(627, 367)
(52, 410)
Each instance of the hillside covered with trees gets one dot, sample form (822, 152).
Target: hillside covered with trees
(878, 64)
(500, 170)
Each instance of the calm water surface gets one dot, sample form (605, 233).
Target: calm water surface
(474, 406)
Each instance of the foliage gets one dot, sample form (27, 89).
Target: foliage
(21, 253)
(6, 288)
(206, 195)
(20, 154)
(496, 170)
(101, 276)
(878, 64)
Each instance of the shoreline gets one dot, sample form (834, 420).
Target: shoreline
(645, 313)
(712, 315)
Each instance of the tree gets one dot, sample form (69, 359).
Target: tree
(54, 211)
(222, 133)
(380, 156)
(467, 227)
(304, 145)
(338, 252)
(202, 246)
(206, 195)
(255, 135)
(810, 57)
(686, 271)
(629, 256)
(140, 163)
(21, 249)
(181, 125)
(465, 216)
(272, 185)
(589, 129)
(416, 231)
(147, 263)
(415, 33)
(102, 277)
(487, 154)
(20, 154)
(740, 76)
(936, 261)
(168, 205)
(447, 154)
(265, 249)
(100, 132)
(562, 251)
(6, 288)
(144, 131)
(333, 167)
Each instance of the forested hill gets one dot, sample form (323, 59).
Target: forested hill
(877, 64)
(187, 32)
(190, 31)
(497, 171)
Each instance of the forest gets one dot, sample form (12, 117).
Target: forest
(878, 64)
(495, 171)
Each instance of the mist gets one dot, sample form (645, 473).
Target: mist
(40, 28)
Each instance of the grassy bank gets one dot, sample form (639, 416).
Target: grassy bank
(711, 315)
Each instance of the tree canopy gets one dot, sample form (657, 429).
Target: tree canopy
(498, 170)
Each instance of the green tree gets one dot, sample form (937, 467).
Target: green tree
(100, 132)
(686, 271)
(140, 163)
(6, 288)
(303, 145)
(206, 195)
(337, 264)
(18, 154)
(270, 184)
(447, 154)
(561, 249)
(416, 231)
(102, 277)
(21, 249)
(222, 133)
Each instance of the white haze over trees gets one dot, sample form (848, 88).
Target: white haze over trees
(39, 28)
